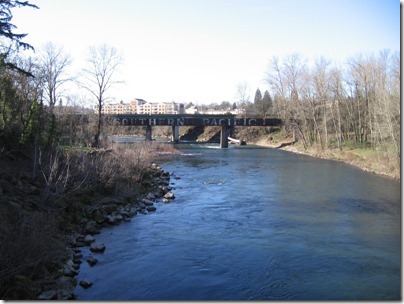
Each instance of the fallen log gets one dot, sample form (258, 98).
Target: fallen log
(236, 141)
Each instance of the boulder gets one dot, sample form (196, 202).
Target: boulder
(159, 192)
(151, 196)
(151, 208)
(147, 202)
(88, 239)
(80, 244)
(97, 247)
(169, 195)
(92, 261)
(65, 288)
(91, 227)
(141, 205)
(166, 189)
(68, 269)
(165, 175)
(132, 212)
(114, 218)
(85, 283)
(48, 295)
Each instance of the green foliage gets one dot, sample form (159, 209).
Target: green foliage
(52, 130)
(32, 123)
(262, 104)
(7, 28)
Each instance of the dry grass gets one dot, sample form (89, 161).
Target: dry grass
(32, 226)
(365, 158)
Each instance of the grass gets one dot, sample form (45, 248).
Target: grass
(383, 162)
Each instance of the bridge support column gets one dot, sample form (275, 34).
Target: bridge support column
(176, 134)
(224, 134)
(148, 132)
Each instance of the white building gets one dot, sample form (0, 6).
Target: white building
(140, 106)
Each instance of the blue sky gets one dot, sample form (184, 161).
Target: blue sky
(200, 50)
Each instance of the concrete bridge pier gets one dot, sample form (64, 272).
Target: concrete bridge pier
(176, 134)
(224, 134)
(148, 132)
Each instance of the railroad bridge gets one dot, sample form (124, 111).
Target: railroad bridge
(177, 120)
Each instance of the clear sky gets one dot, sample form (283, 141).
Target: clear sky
(200, 50)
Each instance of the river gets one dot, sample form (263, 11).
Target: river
(254, 223)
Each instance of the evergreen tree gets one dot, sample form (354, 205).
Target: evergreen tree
(267, 102)
(262, 104)
(6, 27)
(258, 97)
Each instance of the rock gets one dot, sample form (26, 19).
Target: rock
(118, 217)
(166, 189)
(92, 261)
(91, 227)
(77, 256)
(166, 200)
(141, 205)
(151, 208)
(65, 287)
(77, 263)
(114, 218)
(68, 269)
(88, 239)
(177, 177)
(151, 196)
(124, 214)
(85, 283)
(132, 212)
(147, 202)
(48, 295)
(158, 193)
(97, 247)
(169, 195)
(165, 175)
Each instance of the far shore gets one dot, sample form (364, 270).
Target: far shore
(344, 156)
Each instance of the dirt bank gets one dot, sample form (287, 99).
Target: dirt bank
(367, 162)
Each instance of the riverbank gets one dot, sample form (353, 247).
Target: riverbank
(105, 212)
(364, 159)
(48, 215)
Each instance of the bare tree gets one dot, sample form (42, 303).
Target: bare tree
(242, 96)
(102, 64)
(54, 63)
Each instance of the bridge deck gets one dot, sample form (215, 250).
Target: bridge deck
(192, 120)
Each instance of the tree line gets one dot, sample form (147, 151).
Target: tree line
(32, 87)
(333, 106)
(324, 104)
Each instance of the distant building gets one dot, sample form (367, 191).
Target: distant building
(191, 110)
(141, 106)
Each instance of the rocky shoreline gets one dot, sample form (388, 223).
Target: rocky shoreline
(106, 212)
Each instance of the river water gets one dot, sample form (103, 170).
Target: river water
(254, 223)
